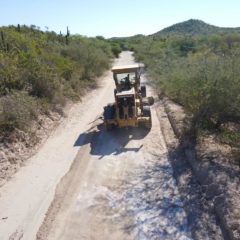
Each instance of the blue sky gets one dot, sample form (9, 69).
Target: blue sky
(117, 18)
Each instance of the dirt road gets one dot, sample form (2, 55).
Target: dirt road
(86, 183)
(120, 186)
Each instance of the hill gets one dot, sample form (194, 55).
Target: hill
(193, 27)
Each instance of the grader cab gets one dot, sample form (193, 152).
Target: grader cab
(131, 107)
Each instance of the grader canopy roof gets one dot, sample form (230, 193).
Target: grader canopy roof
(127, 68)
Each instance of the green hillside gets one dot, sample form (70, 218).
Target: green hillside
(193, 27)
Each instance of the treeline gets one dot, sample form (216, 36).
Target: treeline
(200, 73)
(40, 70)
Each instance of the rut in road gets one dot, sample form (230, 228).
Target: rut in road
(120, 186)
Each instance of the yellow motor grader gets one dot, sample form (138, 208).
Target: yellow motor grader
(131, 107)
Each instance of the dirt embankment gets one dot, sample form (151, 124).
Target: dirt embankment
(213, 168)
(16, 147)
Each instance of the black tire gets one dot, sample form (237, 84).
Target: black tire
(145, 102)
(150, 101)
(143, 91)
(109, 112)
(146, 111)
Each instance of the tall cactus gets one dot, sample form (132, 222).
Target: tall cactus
(68, 32)
(67, 36)
(3, 45)
(18, 28)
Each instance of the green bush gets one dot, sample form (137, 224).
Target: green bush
(43, 67)
(200, 73)
(17, 110)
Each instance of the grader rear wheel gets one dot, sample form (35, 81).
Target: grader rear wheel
(147, 113)
(143, 91)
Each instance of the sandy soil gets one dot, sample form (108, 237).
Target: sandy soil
(18, 146)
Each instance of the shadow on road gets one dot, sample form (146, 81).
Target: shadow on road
(114, 142)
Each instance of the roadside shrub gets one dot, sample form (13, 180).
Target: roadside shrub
(17, 110)
(116, 49)
(10, 76)
(44, 82)
(200, 73)
(40, 70)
